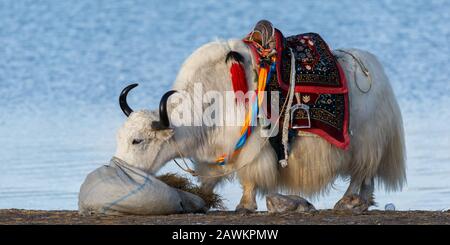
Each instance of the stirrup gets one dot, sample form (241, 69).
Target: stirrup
(300, 107)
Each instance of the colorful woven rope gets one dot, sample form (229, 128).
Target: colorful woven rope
(251, 117)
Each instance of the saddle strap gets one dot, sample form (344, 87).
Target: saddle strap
(287, 113)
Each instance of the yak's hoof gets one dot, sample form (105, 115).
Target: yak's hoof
(242, 209)
(353, 203)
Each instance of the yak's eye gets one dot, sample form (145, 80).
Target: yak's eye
(137, 141)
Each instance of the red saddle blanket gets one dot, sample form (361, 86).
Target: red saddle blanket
(320, 84)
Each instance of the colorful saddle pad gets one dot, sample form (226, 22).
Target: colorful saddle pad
(320, 84)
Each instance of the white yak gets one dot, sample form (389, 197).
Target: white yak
(376, 153)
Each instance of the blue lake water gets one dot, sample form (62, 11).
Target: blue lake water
(63, 64)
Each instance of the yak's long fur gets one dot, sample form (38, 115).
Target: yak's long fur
(377, 147)
(377, 142)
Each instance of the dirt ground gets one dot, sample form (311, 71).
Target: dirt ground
(17, 216)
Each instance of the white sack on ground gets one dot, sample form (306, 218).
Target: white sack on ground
(118, 188)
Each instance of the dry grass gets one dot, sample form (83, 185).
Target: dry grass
(211, 199)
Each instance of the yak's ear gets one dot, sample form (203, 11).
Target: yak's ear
(157, 125)
(237, 71)
(164, 134)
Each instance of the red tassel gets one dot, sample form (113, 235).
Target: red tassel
(238, 77)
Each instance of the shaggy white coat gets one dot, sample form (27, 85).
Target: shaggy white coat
(377, 147)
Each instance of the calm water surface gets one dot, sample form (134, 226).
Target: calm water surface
(62, 65)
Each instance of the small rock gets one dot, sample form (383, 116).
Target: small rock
(277, 203)
(389, 207)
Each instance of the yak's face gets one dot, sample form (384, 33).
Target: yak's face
(139, 142)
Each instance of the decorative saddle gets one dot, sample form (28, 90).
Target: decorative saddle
(320, 104)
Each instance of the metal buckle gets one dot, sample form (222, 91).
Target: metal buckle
(300, 107)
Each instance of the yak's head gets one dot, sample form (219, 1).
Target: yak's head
(141, 138)
(146, 140)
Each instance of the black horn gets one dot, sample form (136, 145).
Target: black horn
(164, 118)
(123, 99)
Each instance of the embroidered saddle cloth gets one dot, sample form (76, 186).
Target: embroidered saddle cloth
(320, 84)
(320, 105)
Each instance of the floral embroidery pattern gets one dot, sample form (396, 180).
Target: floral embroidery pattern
(315, 65)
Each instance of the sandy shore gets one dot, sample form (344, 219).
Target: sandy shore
(17, 216)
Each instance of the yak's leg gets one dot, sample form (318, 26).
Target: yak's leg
(259, 175)
(358, 197)
(248, 199)
(367, 189)
(353, 188)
